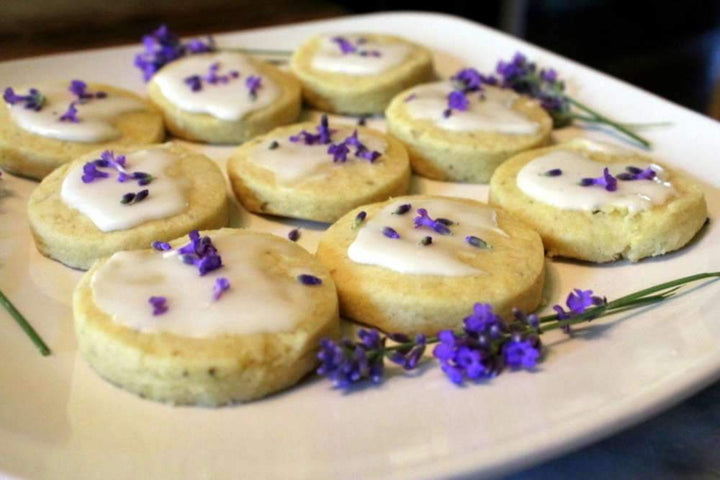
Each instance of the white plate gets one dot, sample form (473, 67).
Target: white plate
(58, 419)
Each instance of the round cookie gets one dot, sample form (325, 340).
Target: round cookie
(358, 74)
(28, 154)
(273, 175)
(640, 218)
(222, 111)
(407, 285)
(465, 146)
(64, 233)
(259, 336)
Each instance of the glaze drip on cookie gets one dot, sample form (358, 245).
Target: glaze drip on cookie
(448, 222)
(100, 200)
(489, 110)
(294, 162)
(244, 91)
(265, 297)
(357, 55)
(567, 191)
(91, 120)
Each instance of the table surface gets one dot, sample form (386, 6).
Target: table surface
(681, 442)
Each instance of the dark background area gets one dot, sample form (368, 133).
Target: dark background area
(671, 48)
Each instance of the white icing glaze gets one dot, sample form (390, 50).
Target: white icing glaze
(565, 191)
(260, 298)
(100, 199)
(406, 255)
(493, 113)
(330, 58)
(227, 101)
(96, 115)
(601, 147)
(294, 162)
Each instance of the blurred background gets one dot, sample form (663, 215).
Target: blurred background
(669, 48)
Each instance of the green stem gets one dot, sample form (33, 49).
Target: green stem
(603, 119)
(25, 325)
(586, 118)
(260, 51)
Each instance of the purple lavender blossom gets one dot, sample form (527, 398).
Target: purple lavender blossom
(347, 362)
(323, 137)
(253, 84)
(201, 253)
(476, 241)
(309, 280)
(470, 80)
(339, 151)
(578, 302)
(91, 172)
(221, 286)
(607, 181)
(554, 172)
(521, 352)
(360, 218)
(457, 100)
(390, 232)
(70, 114)
(635, 173)
(162, 47)
(423, 219)
(402, 209)
(408, 356)
(80, 90)
(345, 45)
(294, 235)
(159, 305)
(34, 100)
(161, 246)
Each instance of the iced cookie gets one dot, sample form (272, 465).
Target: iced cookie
(461, 130)
(224, 97)
(231, 316)
(48, 125)
(420, 263)
(599, 203)
(124, 199)
(318, 173)
(359, 73)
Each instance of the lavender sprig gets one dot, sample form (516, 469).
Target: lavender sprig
(523, 76)
(486, 345)
(34, 100)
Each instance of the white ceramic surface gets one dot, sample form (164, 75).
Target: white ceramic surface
(58, 419)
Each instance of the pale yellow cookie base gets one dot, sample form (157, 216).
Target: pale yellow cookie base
(30, 155)
(323, 199)
(354, 94)
(64, 234)
(469, 157)
(201, 127)
(395, 302)
(210, 371)
(609, 234)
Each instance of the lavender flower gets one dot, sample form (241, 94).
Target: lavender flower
(70, 114)
(423, 219)
(470, 80)
(555, 172)
(132, 198)
(194, 82)
(294, 235)
(34, 100)
(91, 172)
(521, 352)
(323, 137)
(222, 285)
(456, 101)
(212, 77)
(253, 84)
(390, 232)
(359, 218)
(476, 242)
(425, 241)
(408, 356)
(201, 253)
(635, 173)
(361, 150)
(346, 362)
(578, 302)
(310, 280)
(607, 181)
(162, 47)
(523, 77)
(161, 246)
(159, 305)
(345, 45)
(339, 151)
(402, 209)
(80, 90)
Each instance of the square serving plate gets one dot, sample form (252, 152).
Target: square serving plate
(58, 419)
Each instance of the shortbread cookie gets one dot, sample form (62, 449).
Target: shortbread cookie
(359, 73)
(47, 126)
(83, 211)
(293, 172)
(419, 263)
(458, 134)
(224, 97)
(599, 203)
(233, 316)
